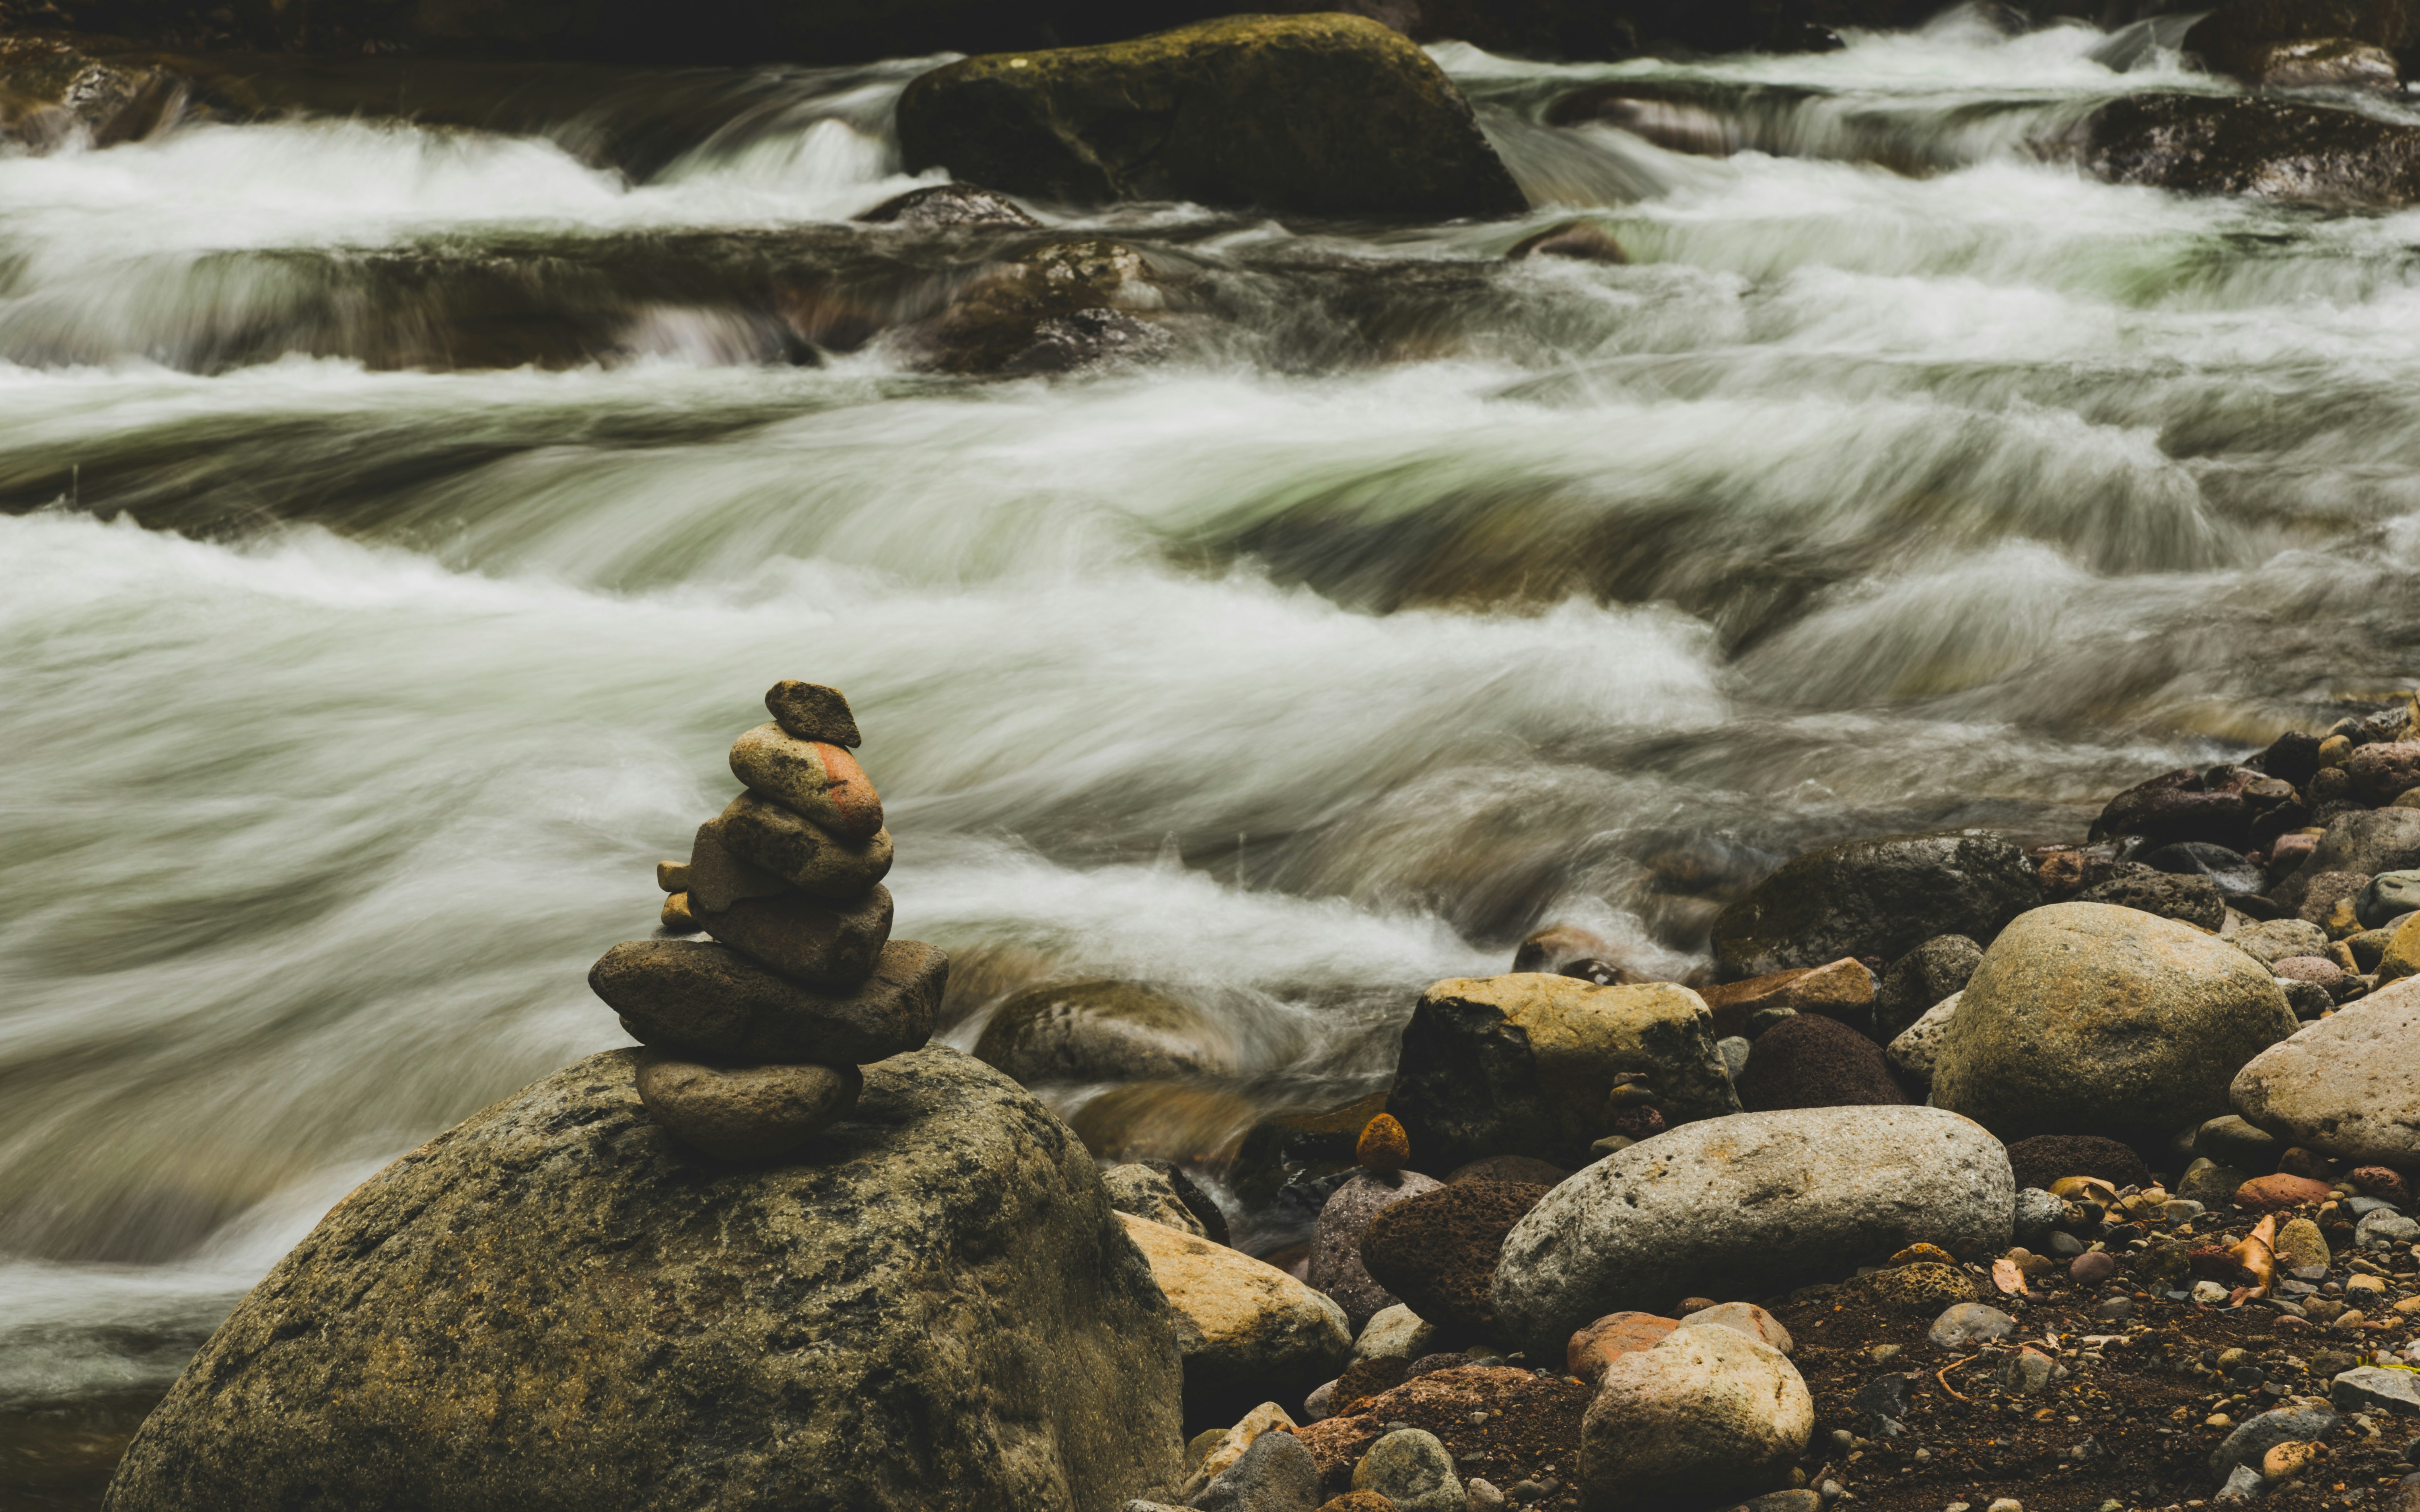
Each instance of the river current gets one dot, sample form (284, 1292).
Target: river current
(401, 521)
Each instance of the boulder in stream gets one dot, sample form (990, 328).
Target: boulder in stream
(1326, 115)
(553, 1303)
(2263, 42)
(1879, 897)
(2281, 149)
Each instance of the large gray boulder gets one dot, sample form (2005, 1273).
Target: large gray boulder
(1748, 1206)
(2089, 1018)
(1875, 897)
(553, 1306)
(2362, 844)
(1326, 115)
(2347, 1085)
(1522, 1065)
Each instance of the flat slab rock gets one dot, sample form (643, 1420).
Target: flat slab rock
(552, 1305)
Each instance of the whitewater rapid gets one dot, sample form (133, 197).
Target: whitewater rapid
(353, 688)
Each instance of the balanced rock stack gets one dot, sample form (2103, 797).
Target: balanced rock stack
(756, 1034)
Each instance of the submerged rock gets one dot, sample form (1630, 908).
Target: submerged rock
(1327, 114)
(1523, 1065)
(53, 93)
(2246, 38)
(553, 1303)
(1750, 1206)
(1875, 897)
(2092, 1018)
(1098, 1031)
(1054, 309)
(948, 208)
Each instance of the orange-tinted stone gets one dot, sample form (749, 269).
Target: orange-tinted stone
(1599, 1344)
(2270, 1193)
(1384, 1147)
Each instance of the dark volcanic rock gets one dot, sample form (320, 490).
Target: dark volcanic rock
(2239, 36)
(1326, 114)
(2251, 145)
(2045, 1158)
(2193, 899)
(552, 1304)
(1922, 979)
(1336, 1265)
(2362, 844)
(1875, 897)
(1437, 1252)
(1810, 1061)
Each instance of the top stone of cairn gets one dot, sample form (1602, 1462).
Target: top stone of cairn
(810, 711)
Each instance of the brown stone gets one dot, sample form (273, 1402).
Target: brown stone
(717, 1004)
(1843, 990)
(1384, 1147)
(831, 947)
(814, 778)
(777, 842)
(744, 1113)
(810, 711)
(2273, 1193)
(1438, 1251)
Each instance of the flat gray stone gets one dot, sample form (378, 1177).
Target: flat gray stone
(2371, 1386)
(2256, 1436)
(1970, 1323)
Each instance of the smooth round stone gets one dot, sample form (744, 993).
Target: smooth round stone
(812, 778)
(720, 1006)
(2091, 1268)
(2066, 1245)
(1412, 1468)
(2310, 968)
(831, 947)
(748, 1113)
(1970, 1322)
(2389, 895)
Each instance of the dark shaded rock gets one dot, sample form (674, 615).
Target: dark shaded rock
(1054, 309)
(2292, 756)
(639, 1328)
(796, 851)
(744, 1113)
(830, 946)
(810, 711)
(1336, 1264)
(1204, 1208)
(2240, 38)
(2230, 872)
(2214, 806)
(1100, 1031)
(712, 1001)
(1843, 990)
(2320, 63)
(1922, 979)
(1327, 114)
(1519, 1169)
(2362, 844)
(1814, 1062)
(946, 208)
(2323, 892)
(2192, 900)
(1468, 1083)
(1088, 338)
(1582, 240)
(2248, 144)
(1875, 897)
(1438, 1251)
(1275, 1474)
(2044, 1158)
(2252, 1438)
(53, 92)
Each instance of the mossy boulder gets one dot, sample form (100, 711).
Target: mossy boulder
(1878, 897)
(1326, 115)
(930, 1306)
(2089, 1018)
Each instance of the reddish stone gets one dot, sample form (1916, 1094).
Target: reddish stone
(2379, 1182)
(2274, 1194)
(1597, 1345)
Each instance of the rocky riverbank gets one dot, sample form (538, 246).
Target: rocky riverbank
(2072, 1176)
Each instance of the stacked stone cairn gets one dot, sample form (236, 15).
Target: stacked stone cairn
(775, 976)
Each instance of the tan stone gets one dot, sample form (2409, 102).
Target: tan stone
(2346, 1085)
(2301, 1245)
(2402, 957)
(744, 1112)
(1230, 1446)
(1708, 1413)
(1745, 1318)
(1240, 1320)
(810, 778)
(1841, 989)
(1615, 1334)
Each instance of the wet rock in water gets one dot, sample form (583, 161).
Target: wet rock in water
(1523, 1065)
(2089, 1018)
(775, 841)
(2243, 40)
(831, 947)
(2190, 900)
(1336, 1262)
(2347, 1085)
(1875, 897)
(1750, 1206)
(1815, 1062)
(2231, 1141)
(2229, 871)
(1326, 114)
(816, 779)
(2386, 896)
(944, 207)
(1171, 1121)
(547, 1249)
(53, 93)
(1843, 990)
(1102, 1031)
(1594, 1346)
(1674, 125)
(1922, 979)
(2043, 1159)
(711, 1000)
(744, 1113)
(1088, 338)
(1437, 1252)
(1412, 1471)
(1708, 1413)
(2278, 938)
(1245, 1330)
(1146, 1193)
(2362, 844)
(1052, 310)
(1916, 1052)
(1579, 240)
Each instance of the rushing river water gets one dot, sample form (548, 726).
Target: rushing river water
(403, 518)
